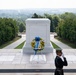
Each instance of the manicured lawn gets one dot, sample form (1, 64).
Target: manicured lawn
(7, 43)
(20, 46)
(54, 45)
(66, 42)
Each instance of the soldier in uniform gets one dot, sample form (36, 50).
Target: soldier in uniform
(60, 61)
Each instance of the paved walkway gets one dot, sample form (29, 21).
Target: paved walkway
(15, 44)
(60, 44)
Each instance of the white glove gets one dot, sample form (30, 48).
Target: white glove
(62, 55)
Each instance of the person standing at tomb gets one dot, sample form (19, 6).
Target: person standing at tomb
(60, 61)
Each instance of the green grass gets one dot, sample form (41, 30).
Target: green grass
(66, 42)
(20, 46)
(54, 45)
(9, 42)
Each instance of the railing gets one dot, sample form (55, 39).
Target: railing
(34, 70)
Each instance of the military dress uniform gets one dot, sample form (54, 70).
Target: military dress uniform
(59, 63)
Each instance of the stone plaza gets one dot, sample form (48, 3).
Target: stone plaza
(14, 59)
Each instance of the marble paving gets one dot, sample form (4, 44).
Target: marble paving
(13, 59)
(6, 58)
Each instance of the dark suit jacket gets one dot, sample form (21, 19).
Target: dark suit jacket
(59, 63)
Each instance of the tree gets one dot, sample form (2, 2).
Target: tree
(35, 15)
(55, 21)
(51, 22)
(21, 27)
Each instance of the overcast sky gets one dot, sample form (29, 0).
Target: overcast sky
(22, 4)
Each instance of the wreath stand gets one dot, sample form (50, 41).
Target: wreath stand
(38, 58)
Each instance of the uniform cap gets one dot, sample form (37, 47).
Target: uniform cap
(58, 50)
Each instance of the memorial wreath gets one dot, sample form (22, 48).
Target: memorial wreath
(38, 44)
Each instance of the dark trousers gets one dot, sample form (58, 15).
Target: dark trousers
(59, 72)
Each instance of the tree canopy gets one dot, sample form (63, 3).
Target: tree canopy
(67, 27)
(8, 29)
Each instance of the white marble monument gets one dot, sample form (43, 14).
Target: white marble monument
(37, 27)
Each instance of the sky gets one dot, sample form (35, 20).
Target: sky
(25, 4)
